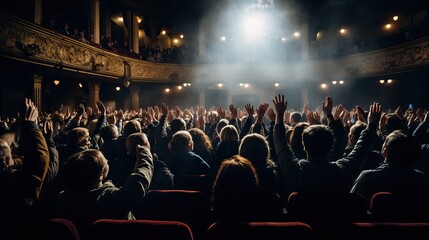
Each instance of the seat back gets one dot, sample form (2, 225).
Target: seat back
(385, 206)
(110, 229)
(380, 231)
(52, 229)
(329, 208)
(259, 230)
(190, 207)
(201, 183)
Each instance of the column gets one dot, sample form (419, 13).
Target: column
(202, 97)
(38, 12)
(135, 34)
(305, 42)
(37, 90)
(107, 23)
(135, 96)
(202, 40)
(94, 93)
(304, 96)
(95, 20)
(152, 33)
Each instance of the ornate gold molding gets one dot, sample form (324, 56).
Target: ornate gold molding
(69, 54)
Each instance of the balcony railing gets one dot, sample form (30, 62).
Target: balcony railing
(25, 41)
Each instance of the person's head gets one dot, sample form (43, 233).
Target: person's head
(295, 139)
(5, 155)
(317, 140)
(181, 141)
(355, 132)
(222, 123)
(200, 139)
(400, 148)
(228, 134)
(393, 122)
(295, 118)
(236, 175)
(177, 124)
(132, 126)
(109, 132)
(78, 137)
(136, 139)
(255, 148)
(85, 170)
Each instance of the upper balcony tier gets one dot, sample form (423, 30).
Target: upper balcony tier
(29, 42)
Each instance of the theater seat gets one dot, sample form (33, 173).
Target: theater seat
(259, 231)
(52, 229)
(110, 229)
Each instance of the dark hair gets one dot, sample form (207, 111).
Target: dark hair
(401, 148)
(295, 140)
(109, 132)
(255, 148)
(393, 122)
(318, 140)
(296, 116)
(177, 124)
(83, 169)
(133, 126)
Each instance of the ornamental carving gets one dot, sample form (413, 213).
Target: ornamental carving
(32, 43)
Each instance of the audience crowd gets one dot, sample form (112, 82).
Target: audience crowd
(99, 163)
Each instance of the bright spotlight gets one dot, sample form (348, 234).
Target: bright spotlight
(341, 82)
(220, 85)
(80, 85)
(343, 31)
(241, 84)
(163, 32)
(334, 82)
(179, 87)
(253, 24)
(388, 26)
(389, 80)
(246, 85)
(175, 40)
(121, 19)
(276, 84)
(381, 81)
(284, 39)
(167, 90)
(56, 81)
(118, 88)
(395, 18)
(223, 38)
(181, 36)
(185, 84)
(323, 85)
(297, 34)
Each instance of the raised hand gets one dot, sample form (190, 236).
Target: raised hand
(338, 110)
(327, 106)
(31, 112)
(234, 111)
(271, 115)
(280, 105)
(47, 129)
(249, 109)
(261, 110)
(313, 118)
(101, 107)
(374, 114)
(164, 109)
(361, 114)
(221, 112)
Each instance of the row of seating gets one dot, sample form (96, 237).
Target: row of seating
(109, 229)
